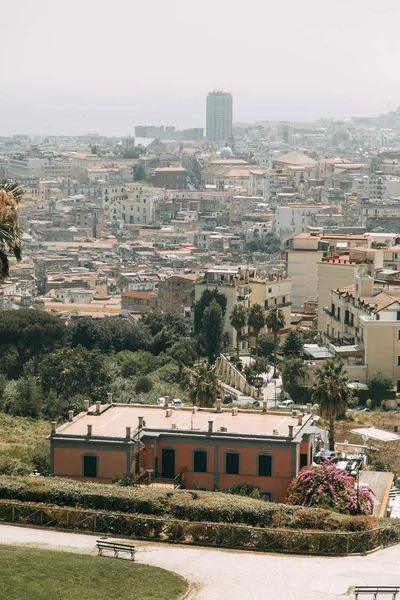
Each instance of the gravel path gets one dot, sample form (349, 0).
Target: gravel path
(234, 575)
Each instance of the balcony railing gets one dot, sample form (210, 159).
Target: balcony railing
(331, 314)
(283, 304)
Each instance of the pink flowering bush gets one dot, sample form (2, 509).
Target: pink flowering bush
(327, 486)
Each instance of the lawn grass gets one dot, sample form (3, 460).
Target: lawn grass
(46, 575)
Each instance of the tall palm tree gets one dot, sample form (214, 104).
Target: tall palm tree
(332, 393)
(275, 321)
(205, 387)
(10, 234)
(256, 321)
(238, 320)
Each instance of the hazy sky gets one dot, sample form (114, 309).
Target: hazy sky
(104, 66)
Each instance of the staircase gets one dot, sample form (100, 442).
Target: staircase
(231, 376)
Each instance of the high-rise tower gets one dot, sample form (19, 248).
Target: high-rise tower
(219, 116)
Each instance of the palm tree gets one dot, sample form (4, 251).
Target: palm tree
(256, 321)
(10, 234)
(275, 320)
(332, 393)
(238, 320)
(205, 388)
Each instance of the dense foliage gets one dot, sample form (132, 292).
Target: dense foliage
(326, 486)
(191, 505)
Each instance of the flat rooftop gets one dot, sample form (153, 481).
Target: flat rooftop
(114, 418)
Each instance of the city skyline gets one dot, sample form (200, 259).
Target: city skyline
(80, 70)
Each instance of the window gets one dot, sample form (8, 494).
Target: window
(283, 299)
(269, 290)
(266, 306)
(90, 466)
(200, 461)
(398, 315)
(398, 361)
(327, 330)
(264, 465)
(266, 496)
(303, 460)
(398, 334)
(232, 463)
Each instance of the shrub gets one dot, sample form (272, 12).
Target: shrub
(327, 486)
(186, 505)
(245, 489)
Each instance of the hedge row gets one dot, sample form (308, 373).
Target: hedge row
(206, 534)
(188, 505)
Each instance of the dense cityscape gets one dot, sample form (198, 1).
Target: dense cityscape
(199, 301)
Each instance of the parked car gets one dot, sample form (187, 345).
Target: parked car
(286, 404)
(256, 403)
(177, 402)
(228, 399)
(160, 401)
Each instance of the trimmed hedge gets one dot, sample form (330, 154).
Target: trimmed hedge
(222, 535)
(188, 505)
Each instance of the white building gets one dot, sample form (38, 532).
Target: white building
(133, 204)
(293, 219)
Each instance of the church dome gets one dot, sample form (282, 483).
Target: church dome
(226, 152)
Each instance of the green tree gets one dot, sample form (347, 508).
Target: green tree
(293, 370)
(275, 320)
(166, 329)
(205, 300)
(84, 333)
(266, 345)
(332, 393)
(256, 321)
(28, 398)
(139, 173)
(32, 333)
(378, 383)
(143, 385)
(184, 351)
(10, 233)
(72, 371)
(238, 320)
(213, 327)
(293, 344)
(205, 388)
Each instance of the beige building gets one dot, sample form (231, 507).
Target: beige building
(234, 283)
(176, 293)
(363, 327)
(339, 270)
(270, 292)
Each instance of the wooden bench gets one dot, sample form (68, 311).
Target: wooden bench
(115, 547)
(377, 591)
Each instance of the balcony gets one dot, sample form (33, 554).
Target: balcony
(331, 314)
(282, 304)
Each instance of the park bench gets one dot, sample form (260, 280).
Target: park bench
(115, 547)
(377, 591)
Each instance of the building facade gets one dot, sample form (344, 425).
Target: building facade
(219, 116)
(200, 448)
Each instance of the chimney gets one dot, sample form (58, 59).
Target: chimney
(234, 412)
(70, 415)
(265, 404)
(291, 431)
(194, 410)
(300, 419)
(140, 422)
(98, 405)
(210, 426)
(109, 397)
(53, 426)
(86, 405)
(168, 412)
(166, 401)
(89, 430)
(128, 432)
(219, 404)
(308, 408)
(395, 428)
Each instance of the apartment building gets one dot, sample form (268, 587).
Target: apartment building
(140, 302)
(232, 281)
(293, 219)
(201, 448)
(363, 327)
(176, 293)
(171, 178)
(377, 187)
(132, 204)
(272, 291)
(219, 116)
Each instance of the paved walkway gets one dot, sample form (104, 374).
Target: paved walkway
(234, 575)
